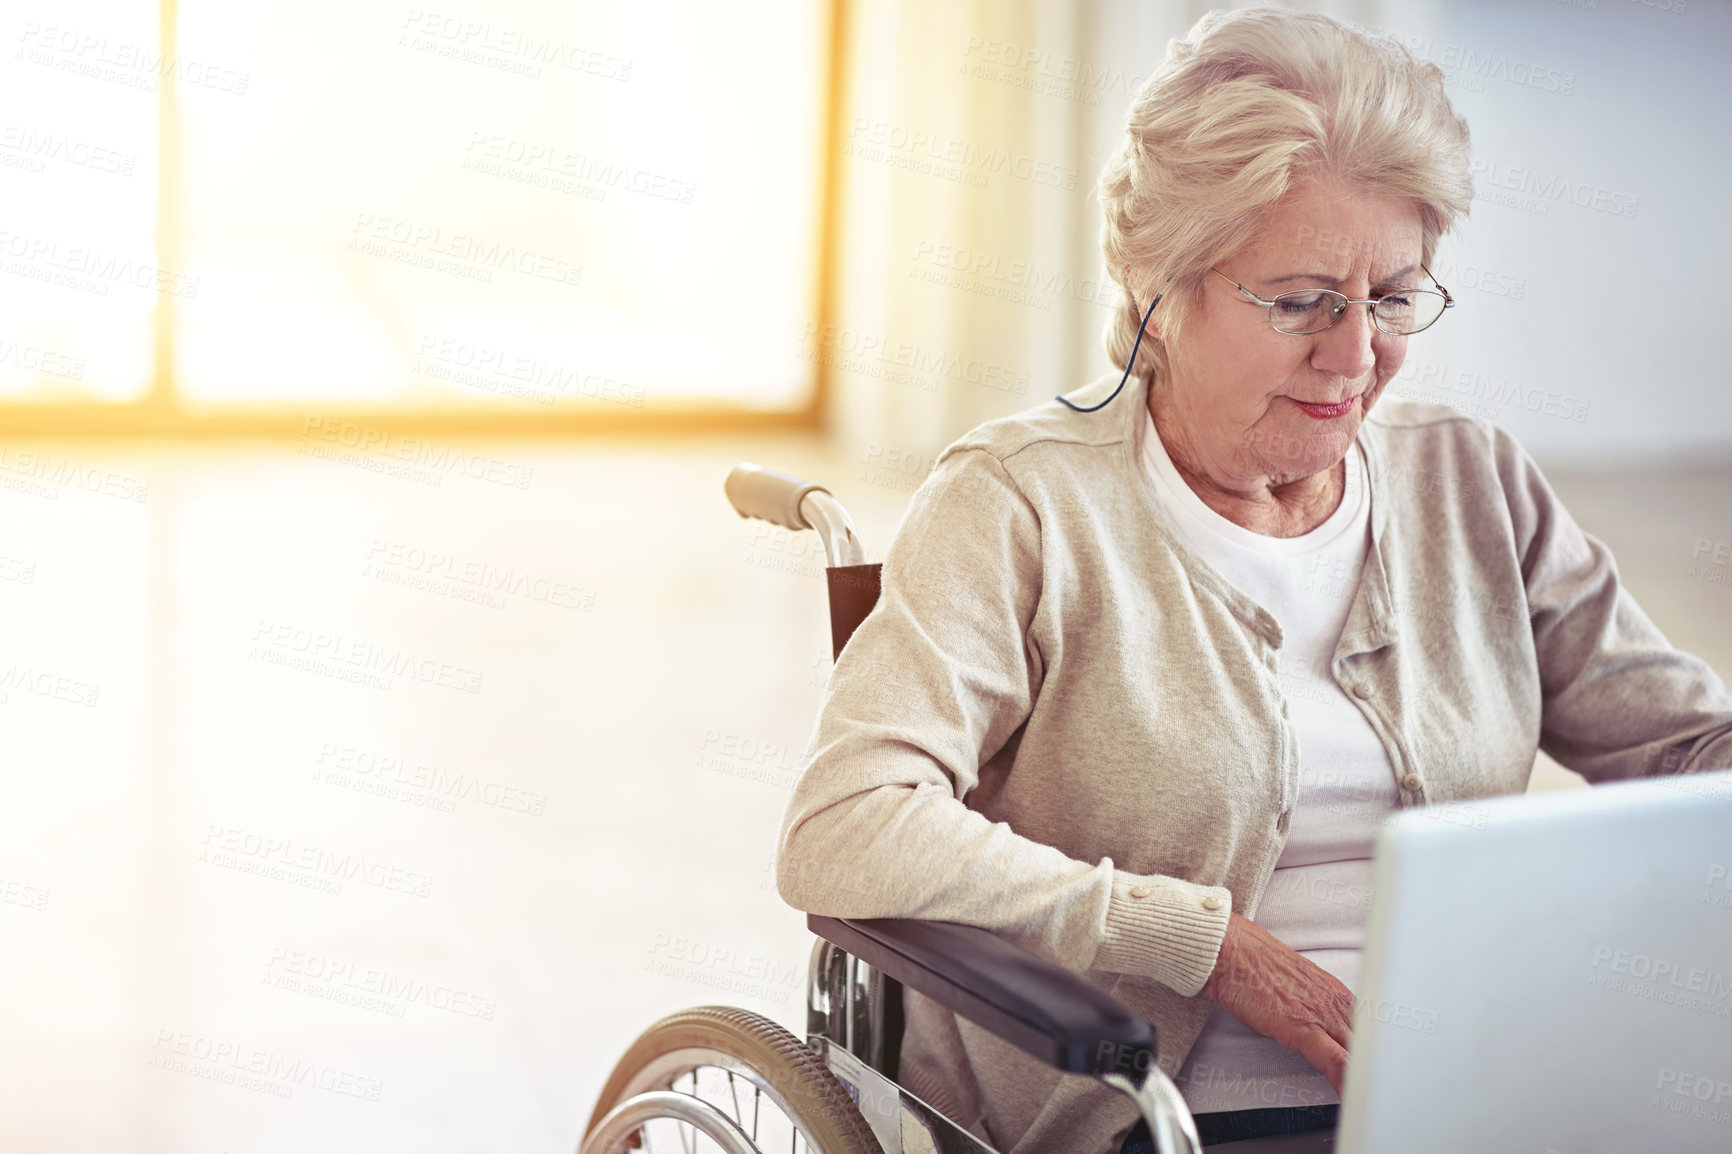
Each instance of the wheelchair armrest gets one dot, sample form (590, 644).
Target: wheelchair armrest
(1036, 1005)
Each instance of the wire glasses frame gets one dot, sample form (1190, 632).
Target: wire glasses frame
(1305, 308)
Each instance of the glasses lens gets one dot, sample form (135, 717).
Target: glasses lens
(1408, 312)
(1306, 311)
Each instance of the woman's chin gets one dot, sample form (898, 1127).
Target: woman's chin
(1298, 448)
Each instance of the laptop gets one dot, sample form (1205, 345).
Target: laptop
(1547, 973)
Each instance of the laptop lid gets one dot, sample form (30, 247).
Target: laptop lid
(1549, 972)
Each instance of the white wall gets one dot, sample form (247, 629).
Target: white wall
(1622, 318)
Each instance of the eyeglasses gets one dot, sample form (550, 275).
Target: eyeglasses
(1305, 311)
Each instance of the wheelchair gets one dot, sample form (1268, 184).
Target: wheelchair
(722, 1078)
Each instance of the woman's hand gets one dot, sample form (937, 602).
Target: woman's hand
(1283, 995)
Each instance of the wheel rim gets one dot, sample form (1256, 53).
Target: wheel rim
(732, 1087)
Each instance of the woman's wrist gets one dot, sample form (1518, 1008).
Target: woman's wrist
(1223, 962)
(1165, 928)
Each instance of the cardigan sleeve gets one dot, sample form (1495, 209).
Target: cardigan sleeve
(1618, 701)
(932, 684)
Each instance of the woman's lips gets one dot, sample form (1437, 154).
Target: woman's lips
(1325, 412)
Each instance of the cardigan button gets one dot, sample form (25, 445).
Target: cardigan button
(1364, 689)
(1211, 902)
(1411, 781)
(1141, 891)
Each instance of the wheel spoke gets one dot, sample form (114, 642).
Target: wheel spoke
(734, 1093)
(689, 1148)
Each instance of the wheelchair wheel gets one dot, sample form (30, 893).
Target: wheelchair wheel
(720, 1078)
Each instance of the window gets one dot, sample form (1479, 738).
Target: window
(495, 215)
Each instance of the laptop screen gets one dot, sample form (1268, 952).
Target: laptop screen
(1549, 972)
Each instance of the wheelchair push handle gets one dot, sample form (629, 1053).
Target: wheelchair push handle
(755, 491)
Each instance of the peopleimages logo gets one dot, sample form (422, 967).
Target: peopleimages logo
(443, 566)
(1441, 384)
(340, 434)
(554, 161)
(37, 148)
(470, 255)
(42, 683)
(954, 158)
(88, 269)
(60, 471)
(388, 774)
(134, 65)
(247, 1067)
(1474, 66)
(319, 651)
(508, 49)
(723, 968)
(1693, 1095)
(371, 987)
(1551, 187)
(282, 859)
(34, 359)
(541, 380)
(857, 351)
(1666, 970)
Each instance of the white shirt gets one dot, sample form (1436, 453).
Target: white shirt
(1319, 897)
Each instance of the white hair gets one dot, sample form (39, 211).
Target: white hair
(1249, 104)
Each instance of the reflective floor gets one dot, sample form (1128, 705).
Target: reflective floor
(367, 802)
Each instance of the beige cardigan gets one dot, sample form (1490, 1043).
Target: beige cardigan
(1061, 724)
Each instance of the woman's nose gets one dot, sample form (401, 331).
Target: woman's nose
(1344, 348)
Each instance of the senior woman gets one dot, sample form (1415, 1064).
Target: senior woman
(1153, 660)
